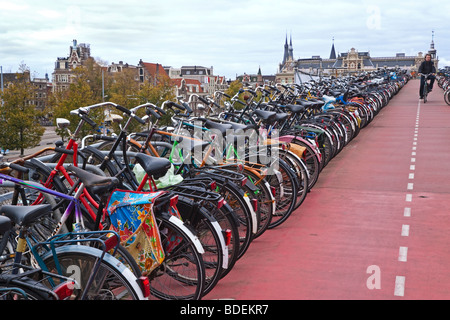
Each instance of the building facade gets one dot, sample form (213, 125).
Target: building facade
(255, 80)
(347, 63)
(63, 73)
(41, 89)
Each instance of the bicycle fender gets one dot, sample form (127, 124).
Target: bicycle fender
(218, 229)
(188, 232)
(252, 213)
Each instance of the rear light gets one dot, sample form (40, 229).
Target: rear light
(244, 182)
(274, 191)
(213, 185)
(64, 290)
(227, 236)
(255, 204)
(220, 203)
(111, 242)
(144, 283)
(174, 201)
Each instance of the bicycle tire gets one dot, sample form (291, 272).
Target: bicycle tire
(312, 162)
(301, 172)
(227, 221)
(286, 193)
(241, 219)
(181, 276)
(425, 92)
(266, 202)
(242, 210)
(447, 96)
(210, 238)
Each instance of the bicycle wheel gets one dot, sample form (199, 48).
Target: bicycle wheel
(425, 92)
(181, 276)
(285, 184)
(210, 237)
(266, 204)
(242, 210)
(312, 161)
(299, 168)
(447, 96)
(111, 281)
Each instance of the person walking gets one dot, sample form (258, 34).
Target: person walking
(426, 71)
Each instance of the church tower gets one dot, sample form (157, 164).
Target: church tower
(288, 56)
(333, 52)
(291, 50)
(285, 72)
(432, 51)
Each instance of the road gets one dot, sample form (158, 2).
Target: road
(374, 227)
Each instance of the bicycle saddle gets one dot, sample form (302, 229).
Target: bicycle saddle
(295, 108)
(305, 103)
(222, 127)
(96, 184)
(266, 116)
(243, 127)
(25, 215)
(5, 224)
(281, 116)
(153, 166)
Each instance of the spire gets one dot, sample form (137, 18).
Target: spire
(432, 40)
(291, 49)
(286, 51)
(333, 52)
(432, 50)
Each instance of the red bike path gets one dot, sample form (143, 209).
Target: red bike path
(376, 226)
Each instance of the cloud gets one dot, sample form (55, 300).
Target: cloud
(233, 37)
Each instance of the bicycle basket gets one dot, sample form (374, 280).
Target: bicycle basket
(132, 216)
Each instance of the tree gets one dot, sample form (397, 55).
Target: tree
(234, 88)
(19, 119)
(157, 93)
(80, 94)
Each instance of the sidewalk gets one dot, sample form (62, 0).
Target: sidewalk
(375, 226)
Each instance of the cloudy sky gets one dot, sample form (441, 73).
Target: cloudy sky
(232, 36)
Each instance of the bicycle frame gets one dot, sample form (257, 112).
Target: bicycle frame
(73, 206)
(72, 148)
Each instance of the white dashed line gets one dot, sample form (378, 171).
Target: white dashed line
(405, 230)
(407, 212)
(399, 286)
(403, 254)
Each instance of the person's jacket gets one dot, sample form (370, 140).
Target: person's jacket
(427, 67)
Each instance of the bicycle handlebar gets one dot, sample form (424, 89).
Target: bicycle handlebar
(14, 166)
